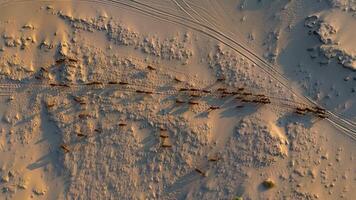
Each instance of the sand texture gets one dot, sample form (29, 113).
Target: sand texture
(178, 99)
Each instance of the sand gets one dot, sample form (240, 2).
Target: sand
(247, 99)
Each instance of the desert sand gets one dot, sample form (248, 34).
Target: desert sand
(177, 99)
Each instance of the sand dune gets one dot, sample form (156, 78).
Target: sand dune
(177, 99)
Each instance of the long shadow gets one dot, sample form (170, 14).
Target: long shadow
(308, 68)
(51, 135)
(43, 161)
(179, 186)
(306, 120)
(230, 109)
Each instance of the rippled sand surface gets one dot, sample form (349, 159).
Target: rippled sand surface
(177, 99)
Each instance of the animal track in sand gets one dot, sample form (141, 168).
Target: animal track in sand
(138, 100)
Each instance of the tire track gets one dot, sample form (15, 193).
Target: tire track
(347, 125)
